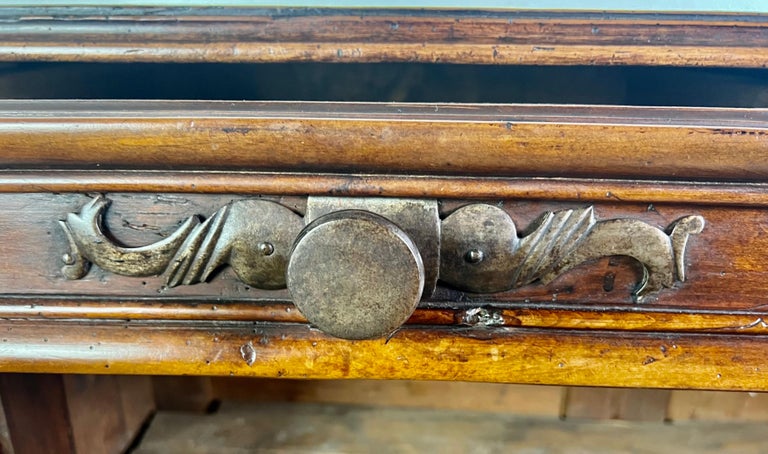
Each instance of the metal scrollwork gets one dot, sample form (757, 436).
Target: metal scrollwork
(254, 237)
(480, 249)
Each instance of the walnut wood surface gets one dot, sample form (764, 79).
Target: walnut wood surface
(500, 354)
(467, 140)
(726, 266)
(613, 403)
(337, 35)
(723, 293)
(443, 313)
(82, 414)
(162, 162)
(745, 194)
(28, 401)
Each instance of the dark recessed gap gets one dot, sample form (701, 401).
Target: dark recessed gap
(403, 82)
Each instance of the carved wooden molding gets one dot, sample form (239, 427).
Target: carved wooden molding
(480, 250)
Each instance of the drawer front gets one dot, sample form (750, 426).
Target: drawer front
(603, 198)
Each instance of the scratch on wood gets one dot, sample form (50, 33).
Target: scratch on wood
(757, 323)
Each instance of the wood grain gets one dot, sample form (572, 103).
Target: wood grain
(439, 313)
(88, 414)
(467, 140)
(510, 355)
(722, 406)
(356, 185)
(614, 403)
(343, 428)
(541, 401)
(37, 401)
(726, 267)
(337, 35)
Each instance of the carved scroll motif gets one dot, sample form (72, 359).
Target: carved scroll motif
(481, 251)
(252, 236)
(480, 247)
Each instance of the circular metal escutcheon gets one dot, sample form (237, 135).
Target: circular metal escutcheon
(355, 275)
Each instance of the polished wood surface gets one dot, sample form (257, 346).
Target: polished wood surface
(162, 162)
(512, 314)
(370, 35)
(416, 139)
(737, 194)
(568, 357)
(725, 263)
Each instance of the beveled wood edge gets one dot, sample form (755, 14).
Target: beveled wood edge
(513, 355)
(424, 186)
(382, 35)
(521, 315)
(258, 13)
(344, 52)
(43, 111)
(436, 139)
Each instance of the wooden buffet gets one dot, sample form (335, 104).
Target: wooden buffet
(616, 180)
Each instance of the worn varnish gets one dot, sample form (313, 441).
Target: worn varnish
(97, 344)
(492, 354)
(369, 35)
(702, 144)
(163, 162)
(466, 314)
(724, 263)
(376, 185)
(723, 292)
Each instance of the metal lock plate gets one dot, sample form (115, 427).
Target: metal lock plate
(355, 274)
(360, 265)
(418, 218)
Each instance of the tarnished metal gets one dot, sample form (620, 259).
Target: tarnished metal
(681, 230)
(481, 251)
(88, 243)
(357, 267)
(490, 232)
(252, 236)
(418, 218)
(355, 274)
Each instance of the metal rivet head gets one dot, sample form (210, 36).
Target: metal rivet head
(266, 248)
(68, 259)
(474, 256)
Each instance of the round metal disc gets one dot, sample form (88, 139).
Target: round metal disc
(478, 251)
(355, 275)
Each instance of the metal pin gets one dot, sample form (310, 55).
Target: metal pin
(266, 248)
(474, 256)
